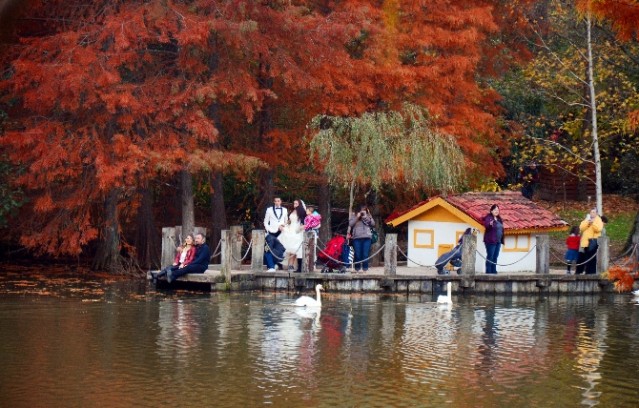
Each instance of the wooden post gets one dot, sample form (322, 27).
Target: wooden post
(469, 259)
(390, 255)
(603, 254)
(308, 252)
(543, 255)
(469, 254)
(227, 252)
(237, 234)
(257, 250)
(169, 245)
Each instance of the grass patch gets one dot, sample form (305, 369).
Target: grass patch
(617, 229)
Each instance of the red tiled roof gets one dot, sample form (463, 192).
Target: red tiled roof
(517, 211)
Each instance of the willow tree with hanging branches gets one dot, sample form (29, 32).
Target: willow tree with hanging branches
(386, 147)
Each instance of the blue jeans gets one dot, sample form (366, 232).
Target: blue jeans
(191, 268)
(362, 247)
(492, 253)
(269, 259)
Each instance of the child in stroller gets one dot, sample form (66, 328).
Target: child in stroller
(331, 257)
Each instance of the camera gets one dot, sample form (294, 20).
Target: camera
(363, 213)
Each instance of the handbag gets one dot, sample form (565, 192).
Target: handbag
(374, 235)
(592, 244)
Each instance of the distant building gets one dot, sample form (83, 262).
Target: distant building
(435, 225)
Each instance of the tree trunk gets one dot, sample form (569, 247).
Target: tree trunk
(374, 200)
(218, 211)
(324, 208)
(633, 237)
(351, 202)
(188, 213)
(266, 186)
(593, 112)
(147, 240)
(107, 257)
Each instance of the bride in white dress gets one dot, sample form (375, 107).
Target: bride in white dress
(292, 235)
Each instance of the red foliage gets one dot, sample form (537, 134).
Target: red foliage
(622, 277)
(111, 94)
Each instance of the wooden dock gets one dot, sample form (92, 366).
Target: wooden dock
(234, 274)
(407, 280)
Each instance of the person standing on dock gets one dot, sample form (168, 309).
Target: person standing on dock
(199, 264)
(275, 218)
(493, 238)
(590, 228)
(361, 223)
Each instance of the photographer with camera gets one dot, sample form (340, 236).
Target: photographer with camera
(360, 224)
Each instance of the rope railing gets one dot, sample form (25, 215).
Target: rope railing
(576, 264)
(245, 254)
(215, 251)
(510, 264)
(628, 253)
(418, 264)
(340, 262)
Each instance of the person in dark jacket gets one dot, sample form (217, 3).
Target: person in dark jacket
(273, 252)
(199, 264)
(493, 238)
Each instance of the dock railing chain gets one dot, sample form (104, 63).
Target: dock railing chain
(245, 254)
(629, 251)
(355, 262)
(418, 264)
(512, 263)
(215, 251)
(268, 248)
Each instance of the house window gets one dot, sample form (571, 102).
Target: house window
(516, 243)
(423, 238)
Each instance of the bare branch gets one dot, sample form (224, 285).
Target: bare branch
(561, 147)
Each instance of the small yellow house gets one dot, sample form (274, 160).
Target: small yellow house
(435, 226)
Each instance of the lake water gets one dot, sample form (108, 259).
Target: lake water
(89, 344)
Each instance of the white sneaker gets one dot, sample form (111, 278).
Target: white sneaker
(270, 270)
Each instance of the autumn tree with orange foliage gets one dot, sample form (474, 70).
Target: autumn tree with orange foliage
(107, 97)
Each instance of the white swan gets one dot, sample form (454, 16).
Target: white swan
(307, 301)
(636, 292)
(449, 298)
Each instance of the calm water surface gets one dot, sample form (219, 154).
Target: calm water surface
(115, 345)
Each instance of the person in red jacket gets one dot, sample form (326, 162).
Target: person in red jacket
(572, 247)
(184, 256)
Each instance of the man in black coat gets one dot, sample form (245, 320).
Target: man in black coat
(199, 265)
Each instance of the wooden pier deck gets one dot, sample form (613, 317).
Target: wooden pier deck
(407, 280)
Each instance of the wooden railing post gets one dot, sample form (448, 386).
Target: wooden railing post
(308, 252)
(237, 233)
(469, 259)
(603, 254)
(169, 245)
(543, 255)
(257, 250)
(227, 253)
(390, 255)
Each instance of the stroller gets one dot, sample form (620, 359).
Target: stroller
(329, 258)
(454, 256)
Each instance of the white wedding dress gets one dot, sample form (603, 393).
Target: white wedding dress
(292, 236)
